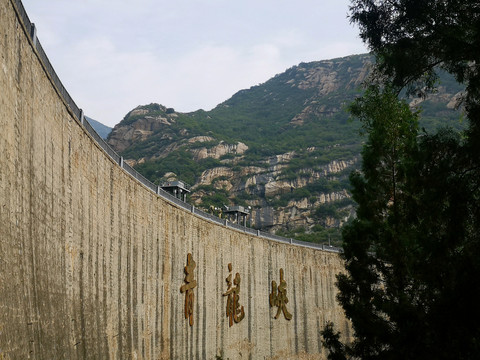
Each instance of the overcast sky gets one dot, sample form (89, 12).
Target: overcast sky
(113, 55)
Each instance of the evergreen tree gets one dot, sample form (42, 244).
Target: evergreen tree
(413, 39)
(412, 255)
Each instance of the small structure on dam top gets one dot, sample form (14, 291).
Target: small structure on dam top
(237, 214)
(178, 188)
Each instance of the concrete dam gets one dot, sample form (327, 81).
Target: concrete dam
(97, 263)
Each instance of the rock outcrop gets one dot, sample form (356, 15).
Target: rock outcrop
(219, 150)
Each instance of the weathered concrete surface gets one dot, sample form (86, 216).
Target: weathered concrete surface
(91, 262)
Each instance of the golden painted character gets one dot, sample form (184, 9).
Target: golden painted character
(187, 288)
(234, 311)
(278, 297)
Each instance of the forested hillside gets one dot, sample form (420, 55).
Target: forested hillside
(285, 148)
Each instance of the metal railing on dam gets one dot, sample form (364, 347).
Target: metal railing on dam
(78, 115)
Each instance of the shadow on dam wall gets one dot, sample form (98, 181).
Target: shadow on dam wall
(94, 259)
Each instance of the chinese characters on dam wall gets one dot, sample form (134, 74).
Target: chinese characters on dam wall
(278, 297)
(191, 283)
(234, 311)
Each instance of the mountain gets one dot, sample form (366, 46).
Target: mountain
(102, 130)
(285, 148)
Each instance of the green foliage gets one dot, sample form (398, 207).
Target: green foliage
(371, 240)
(261, 118)
(153, 109)
(217, 199)
(336, 210)
(331, 340)
(408, 256)
(178, 162)
(326, 210)
(412, 40)
(318, 234)
(411, 286)
(392, 130)
(264, 117)
(212, 197)
(295, 194)
(292, 233)
(243, 197)
(326, 186)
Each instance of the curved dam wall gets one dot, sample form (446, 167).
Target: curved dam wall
(94, 265)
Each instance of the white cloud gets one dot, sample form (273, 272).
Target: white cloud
(114, 55)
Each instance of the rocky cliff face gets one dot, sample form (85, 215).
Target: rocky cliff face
(284, 148)
(219, 150)
(143, 125)
(263, 185)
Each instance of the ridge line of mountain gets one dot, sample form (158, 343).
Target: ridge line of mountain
(285, 147)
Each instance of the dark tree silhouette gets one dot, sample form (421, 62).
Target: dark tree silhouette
(412, 255)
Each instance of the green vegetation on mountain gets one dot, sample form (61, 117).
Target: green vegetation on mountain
(286, 145)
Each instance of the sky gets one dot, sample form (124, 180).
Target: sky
(113, 55)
